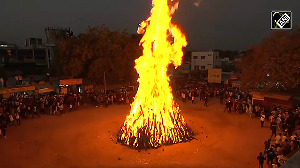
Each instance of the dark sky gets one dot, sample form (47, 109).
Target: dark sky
(215, 24)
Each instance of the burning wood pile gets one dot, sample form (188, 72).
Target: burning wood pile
(155, 119)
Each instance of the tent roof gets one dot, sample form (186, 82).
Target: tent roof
(280, 96)
(294, 162)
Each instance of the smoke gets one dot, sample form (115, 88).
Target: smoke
(197, 3)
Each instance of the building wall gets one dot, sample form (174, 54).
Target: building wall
(53, 37)
(205, 60)
(184, 68)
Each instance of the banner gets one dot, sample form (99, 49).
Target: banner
(214, 75)
(233, 77)
(236, 84)
(71, 81)
(21, 89)
(45, 90)
(4, 91)
(87, 87)
(17, 89)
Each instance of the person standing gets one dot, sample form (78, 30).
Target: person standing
(200, 94)
(250, 110)
(17, 80)
(17, 116)
(270, 156)
(28, 110)
(278, 140)
(262, 119)
(106, 101)
(42, 106)
(193, 99)
(71, 107)
(273, 129)
(221, 98)
(3, 81)
(206, 100)
(267, 145)
(4, 129)
(271, 119)
(61, 108)
(34, 112)
(112, 99)
(183, 97)
(261, 160)
(20, 79)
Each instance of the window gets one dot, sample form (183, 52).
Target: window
(202, 57)
(209, 55)
(202, 67)
(209, 64)
(25, 53)
(195, 57)
(40, 54)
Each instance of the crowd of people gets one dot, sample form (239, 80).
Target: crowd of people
(283, 122)
(18, 107)
(23, 106)
(111, 97)
(283, 139)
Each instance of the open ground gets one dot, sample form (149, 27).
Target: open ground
(87, 138)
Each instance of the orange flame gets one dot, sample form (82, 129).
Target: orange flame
(154, 114)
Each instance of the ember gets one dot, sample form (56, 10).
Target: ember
(154, 118)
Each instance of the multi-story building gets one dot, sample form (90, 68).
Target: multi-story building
(53, 37)
(34, 52)
(205, 60)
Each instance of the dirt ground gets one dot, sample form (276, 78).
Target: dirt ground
(86, 138)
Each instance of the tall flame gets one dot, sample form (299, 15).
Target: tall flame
(154, 118)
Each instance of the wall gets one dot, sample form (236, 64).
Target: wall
(205, 60)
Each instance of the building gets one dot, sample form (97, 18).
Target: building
(6, 50)
(34, 42)
(53, 37)
(34, 52)
(205, 60)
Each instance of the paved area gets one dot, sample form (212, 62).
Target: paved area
(86, 138)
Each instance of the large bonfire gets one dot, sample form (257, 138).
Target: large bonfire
(154, 118)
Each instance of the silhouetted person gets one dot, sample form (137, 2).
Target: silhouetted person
(221, 98)
(35, 112)
(267, 145)
(106, 101)
(17, 116)
(17, 80)
(4, 128)
(262, 119)
(20, 79)
(273, 129)
(71, 107)
(270, 156)
(206, 100)
(261, 160)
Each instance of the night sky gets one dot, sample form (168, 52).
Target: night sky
(214, 24)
